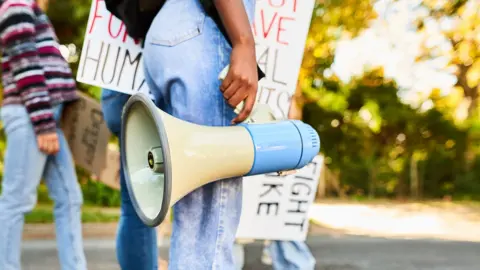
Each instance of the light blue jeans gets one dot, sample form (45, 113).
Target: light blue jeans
(183, 55)
(25, 165)
(136, 242)
(291, 255)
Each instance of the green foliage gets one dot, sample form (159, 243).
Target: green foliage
(369, 136)
(44, 214)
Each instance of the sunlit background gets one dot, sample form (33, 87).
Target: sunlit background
(392, 87)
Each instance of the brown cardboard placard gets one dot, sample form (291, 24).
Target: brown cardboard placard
(88, 135)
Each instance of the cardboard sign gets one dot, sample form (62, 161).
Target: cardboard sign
(110, 174)
(110, 58)
(87, 135)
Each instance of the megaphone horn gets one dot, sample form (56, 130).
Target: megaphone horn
(165, 158)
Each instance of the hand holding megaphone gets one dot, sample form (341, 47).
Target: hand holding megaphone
(165, 157)
(260, 113)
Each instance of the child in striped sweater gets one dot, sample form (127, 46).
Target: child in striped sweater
(37, 81)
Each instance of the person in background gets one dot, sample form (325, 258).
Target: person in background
(37, 82)
(136, 242)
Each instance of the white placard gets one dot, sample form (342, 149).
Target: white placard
(110, 58)
(280, 29)
(276, 207)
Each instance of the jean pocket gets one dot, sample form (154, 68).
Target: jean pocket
(177, 22)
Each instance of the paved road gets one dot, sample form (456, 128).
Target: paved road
(332, 253)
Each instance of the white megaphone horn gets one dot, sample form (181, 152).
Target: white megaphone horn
(165, 158)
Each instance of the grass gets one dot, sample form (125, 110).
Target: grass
(43, 213)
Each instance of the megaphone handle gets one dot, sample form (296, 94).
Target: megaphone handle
(221, 77)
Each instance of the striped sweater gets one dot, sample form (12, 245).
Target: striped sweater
(34, 73)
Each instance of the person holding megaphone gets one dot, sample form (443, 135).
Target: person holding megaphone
(184, 52)
(181, 70)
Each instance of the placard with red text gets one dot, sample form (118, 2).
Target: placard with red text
(280, 29)
(110, 58)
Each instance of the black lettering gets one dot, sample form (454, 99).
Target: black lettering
(140, 87)
(97, 118)
(314, 165)
(96, 60)
(296, 191)
(263, 61)
(299, 206)
(89, 139)
(271, 187)
(286, 98)
(114, 66)
(275, 69)
(132, 62)
(296, 224)
(269, 92)
(303, 177)
(268, 204)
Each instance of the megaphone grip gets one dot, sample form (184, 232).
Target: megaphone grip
(282, 145)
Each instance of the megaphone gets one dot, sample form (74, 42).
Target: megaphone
(165, 158)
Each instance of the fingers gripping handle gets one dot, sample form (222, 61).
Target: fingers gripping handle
(221, 77)
(260, 112)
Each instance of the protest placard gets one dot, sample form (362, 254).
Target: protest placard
(280, 29)
(112, 60)
(86, 133)
(276, 207)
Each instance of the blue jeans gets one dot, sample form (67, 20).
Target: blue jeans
(25, 166)
(136, 243)
(183, 55)
(291, 255)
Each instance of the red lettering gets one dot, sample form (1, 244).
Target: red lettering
(265, 33)
(282, 3)
(110, 27)
(254, 29)
(281, 29)
(95, 16)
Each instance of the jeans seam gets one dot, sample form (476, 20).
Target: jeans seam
(70, 208)
(220, 228)
(8, 259)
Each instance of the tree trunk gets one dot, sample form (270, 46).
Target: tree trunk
(296, 106)
(414, 179)
(372, 186)
(322, 183)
